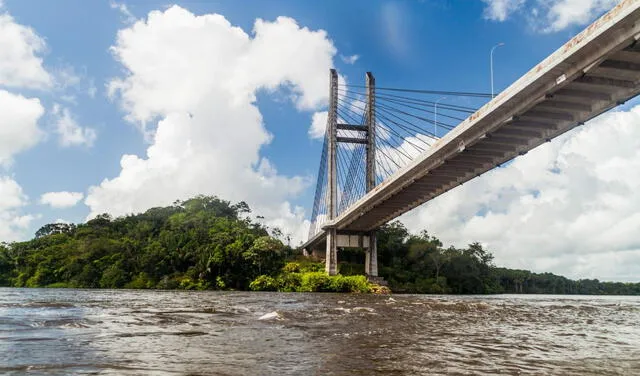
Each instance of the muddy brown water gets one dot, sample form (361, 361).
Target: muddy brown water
(124, 332)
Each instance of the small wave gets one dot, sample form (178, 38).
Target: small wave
(47, 305)
(459, 306)
(270, 316)
(185, 333)
(363, 309)
(62, 323)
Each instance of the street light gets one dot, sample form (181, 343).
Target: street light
(492, 49)
(435, 116)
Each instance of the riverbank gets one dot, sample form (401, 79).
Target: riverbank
(206, 243)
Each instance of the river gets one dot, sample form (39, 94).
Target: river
(126, 332)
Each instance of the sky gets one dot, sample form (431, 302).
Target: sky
(117, 107)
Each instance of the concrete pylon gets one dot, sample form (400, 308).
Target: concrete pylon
(371, 259)
(331, 260)
(331, 257)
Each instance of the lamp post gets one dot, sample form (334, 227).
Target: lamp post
(435, 116)
(492, 49)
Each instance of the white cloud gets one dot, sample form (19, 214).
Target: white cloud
(13, 225)
(394, 156)
(68, 130)
(198, 75)
(61, 200)
(548, 15)
(18, 124)
(318, 125)
(20, 63)
(570, 206)
(565, 13)
(127, 16)
(500, 10)
(349, 59)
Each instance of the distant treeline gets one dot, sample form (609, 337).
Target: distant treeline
(209, 243)
(420, 264)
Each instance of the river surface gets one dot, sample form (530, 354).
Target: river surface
(125, 332)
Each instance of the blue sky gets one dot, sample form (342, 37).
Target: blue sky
(109, 91)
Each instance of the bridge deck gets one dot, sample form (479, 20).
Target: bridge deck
(592, 73)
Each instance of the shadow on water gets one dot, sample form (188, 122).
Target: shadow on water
(238, 333)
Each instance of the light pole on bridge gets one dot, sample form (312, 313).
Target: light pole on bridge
(491, 63)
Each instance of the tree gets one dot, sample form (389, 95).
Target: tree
(55, 228)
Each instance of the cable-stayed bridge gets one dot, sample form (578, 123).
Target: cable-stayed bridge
(388, 150)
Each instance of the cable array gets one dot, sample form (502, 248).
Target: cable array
(407, 123)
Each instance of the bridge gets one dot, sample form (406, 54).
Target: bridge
(389, 150)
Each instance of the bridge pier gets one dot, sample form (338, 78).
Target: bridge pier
(331, 257)
(371, 257)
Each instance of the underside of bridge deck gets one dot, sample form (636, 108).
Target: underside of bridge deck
(603, 86)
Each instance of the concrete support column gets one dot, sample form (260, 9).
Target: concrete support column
(331, 259)
(371, 260)
(371, 132)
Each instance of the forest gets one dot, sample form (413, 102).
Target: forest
(208, 243)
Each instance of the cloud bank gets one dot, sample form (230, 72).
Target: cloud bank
(190, 85)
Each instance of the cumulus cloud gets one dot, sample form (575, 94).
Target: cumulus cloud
(18, 124)
(61, 200)
(20, 63)
(191, 84)
(500, 10)
(564, 13)
(68, 130)
(318, 125)
(548, 15)
(567, 206)
(12, 223)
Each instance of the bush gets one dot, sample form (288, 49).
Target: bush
(356, 283)
(113, 277)
(187, 283)
(289, 282)
(58, 285)
(264, 283)
(315, 282)
(292, 267)
(303, 266)
(141, 281)
(168, 283)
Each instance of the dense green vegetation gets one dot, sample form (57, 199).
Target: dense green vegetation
(208, 243)
(200, 243)
(420, 264)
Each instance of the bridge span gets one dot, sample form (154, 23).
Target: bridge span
(595, 71)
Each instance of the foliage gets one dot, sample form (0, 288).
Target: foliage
(209, 243)
(203, 242)
(264, 283)
(306, 276)
(420, 264)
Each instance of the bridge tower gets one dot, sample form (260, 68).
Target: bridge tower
(331, 257)
(334, 238)
(371, 260)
